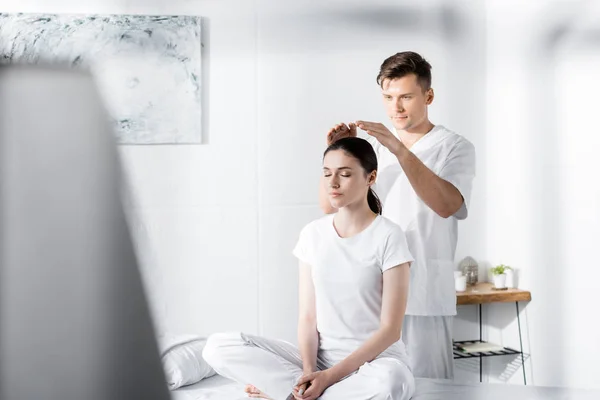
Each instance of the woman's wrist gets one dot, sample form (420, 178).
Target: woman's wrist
(330, 376)
(308, 370)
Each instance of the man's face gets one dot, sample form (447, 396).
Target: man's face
(406, 102)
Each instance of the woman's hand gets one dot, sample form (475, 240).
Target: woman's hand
(300, 389)
(316, 384)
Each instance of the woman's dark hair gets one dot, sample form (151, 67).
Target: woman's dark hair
(364, 153)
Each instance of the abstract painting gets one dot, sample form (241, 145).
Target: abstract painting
(147, 68)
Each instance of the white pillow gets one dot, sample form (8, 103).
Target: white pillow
(183, 363)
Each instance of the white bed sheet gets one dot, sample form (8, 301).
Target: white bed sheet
(219, 388)
(213, 388)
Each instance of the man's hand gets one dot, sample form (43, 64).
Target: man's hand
(341, 131)
(317, 383)
(383, 135)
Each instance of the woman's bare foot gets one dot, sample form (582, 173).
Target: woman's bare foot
(254, 392)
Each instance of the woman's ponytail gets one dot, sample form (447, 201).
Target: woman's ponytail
(374, 202)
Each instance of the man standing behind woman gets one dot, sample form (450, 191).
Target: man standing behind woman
(424, 182)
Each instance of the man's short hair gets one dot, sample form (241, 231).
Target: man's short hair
(405, 63)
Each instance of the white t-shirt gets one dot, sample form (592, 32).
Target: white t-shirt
(431, 238)
(348, 281)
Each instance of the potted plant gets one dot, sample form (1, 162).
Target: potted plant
(499, 275)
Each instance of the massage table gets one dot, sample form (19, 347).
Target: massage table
(219, 388)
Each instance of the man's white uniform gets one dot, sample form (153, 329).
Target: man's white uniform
(427, 328)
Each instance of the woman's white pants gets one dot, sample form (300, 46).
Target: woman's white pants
(274, 366)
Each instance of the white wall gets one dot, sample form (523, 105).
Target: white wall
(317, 66)
(542, 190)
(196, 207)
(215, 223)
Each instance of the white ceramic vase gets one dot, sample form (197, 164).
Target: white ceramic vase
(500, 281)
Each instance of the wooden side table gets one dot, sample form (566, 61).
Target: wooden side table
(483, 293)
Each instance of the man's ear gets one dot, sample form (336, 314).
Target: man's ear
(429, 96)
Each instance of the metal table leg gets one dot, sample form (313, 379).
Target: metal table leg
(481, 340)
(521, 343)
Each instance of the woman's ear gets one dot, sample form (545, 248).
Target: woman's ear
(372, 178)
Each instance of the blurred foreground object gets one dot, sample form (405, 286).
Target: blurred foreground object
(74, 322)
